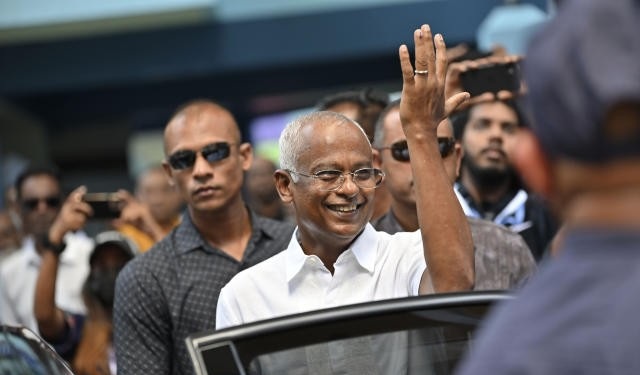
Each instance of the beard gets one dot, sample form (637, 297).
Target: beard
(488, 178)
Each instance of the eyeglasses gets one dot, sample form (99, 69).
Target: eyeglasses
(365, 178)
(400, 150)
(184, 159)
(31, 204)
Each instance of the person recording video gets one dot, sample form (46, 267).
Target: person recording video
(85, 340)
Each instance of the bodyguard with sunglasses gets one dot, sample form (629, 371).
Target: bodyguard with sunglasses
(335, 257)
(40, 198)
(502, 258)
(171, 291)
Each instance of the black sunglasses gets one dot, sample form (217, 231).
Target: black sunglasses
(400, 150)
(184, 159)
(31, 204)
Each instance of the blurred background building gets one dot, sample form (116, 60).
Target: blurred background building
(89, 85)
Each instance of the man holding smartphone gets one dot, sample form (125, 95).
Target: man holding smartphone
(172, 290)
(489, 186)
(40, 199)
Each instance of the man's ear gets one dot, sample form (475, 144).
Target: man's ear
(284, 184)
(246, 153)
(377, 161)
(533, 165)
(458, 154)
(168, 171)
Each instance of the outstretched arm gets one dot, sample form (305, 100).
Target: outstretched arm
(448, 246)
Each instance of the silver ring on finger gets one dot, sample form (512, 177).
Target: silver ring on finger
(420, 72)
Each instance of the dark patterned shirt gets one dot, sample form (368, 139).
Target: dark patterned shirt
(172, 290)
(502, 258)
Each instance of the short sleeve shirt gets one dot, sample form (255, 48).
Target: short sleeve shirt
(376, 266)
(171, 291)
(19, 273)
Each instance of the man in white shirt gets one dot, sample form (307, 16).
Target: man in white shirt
(40, 198)
(335, 257)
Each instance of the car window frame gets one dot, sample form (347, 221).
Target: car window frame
(233, 348)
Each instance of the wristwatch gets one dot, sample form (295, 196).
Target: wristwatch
(56, 248)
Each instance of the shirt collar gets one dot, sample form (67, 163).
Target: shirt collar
(364, 249)
(189, 238)
(294, 257)
(29, 250)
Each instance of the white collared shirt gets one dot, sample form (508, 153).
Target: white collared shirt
(19, 273)
(377, 266)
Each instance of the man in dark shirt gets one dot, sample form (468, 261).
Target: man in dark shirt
(172, 290)
(489, 188)
(578, 314)
(502, 259)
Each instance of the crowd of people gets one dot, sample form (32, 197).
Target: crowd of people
(370, 199)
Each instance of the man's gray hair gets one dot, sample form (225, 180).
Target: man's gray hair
(290, 143)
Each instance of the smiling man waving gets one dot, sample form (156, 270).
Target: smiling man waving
(335, 257)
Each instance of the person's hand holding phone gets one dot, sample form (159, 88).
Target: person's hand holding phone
(137, 214)
(72, 216)
(489, 79)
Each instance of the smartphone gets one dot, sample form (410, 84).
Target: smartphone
(104, 205)
(492, 78)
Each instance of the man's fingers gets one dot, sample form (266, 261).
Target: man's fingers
(483, 98)
(454, 102)
(506, 95)
(124, 195)
(427, 42)
(84, 208)
(405, 64)
(457, 51)
(441, 58)
(420, 48)
(77, 194)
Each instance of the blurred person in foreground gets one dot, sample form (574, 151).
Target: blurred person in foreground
(40, 197)
(578, 315)
(502, 259)
(171, 291)
(153, 212)
(364, 107)
(84, 340)
(335, 257)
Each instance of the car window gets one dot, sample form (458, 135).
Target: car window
(423, 335)
(421, 351)
(22, 352)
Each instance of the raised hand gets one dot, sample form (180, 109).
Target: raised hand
(137, 214)
(446, 238)
(423, 104)
(72, 216)
(454, 84)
